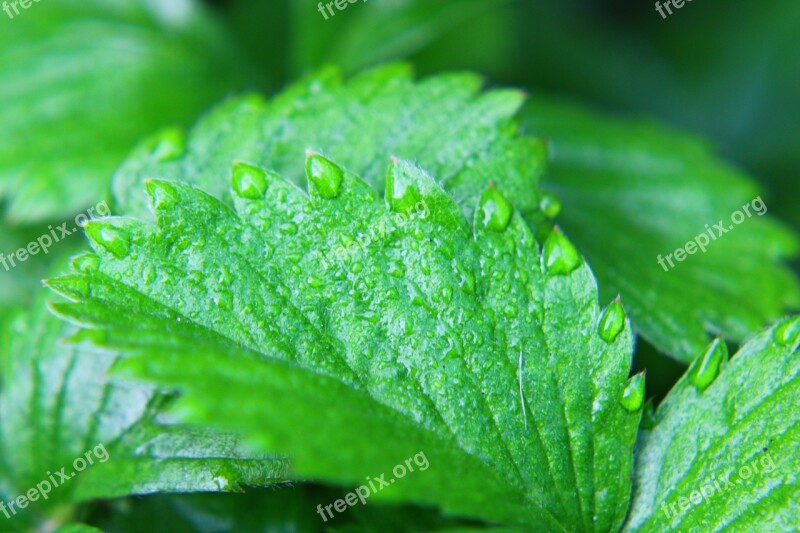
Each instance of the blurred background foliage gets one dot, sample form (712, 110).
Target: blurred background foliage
(728, 72)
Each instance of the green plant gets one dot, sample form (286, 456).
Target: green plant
(344, 331)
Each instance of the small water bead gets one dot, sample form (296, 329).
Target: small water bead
(324, 175)
(396, 269)
(550, 205)
(632, 397)
(314, 281)
(446, 294)
(290, 228)
(149, 274)
(248, 181)
(560, 256)
(705, 369)
(612, 322)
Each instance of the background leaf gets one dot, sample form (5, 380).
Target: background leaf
(56, 404)
(82, 82)
(736, 441)
(633, 191)
(464, 136)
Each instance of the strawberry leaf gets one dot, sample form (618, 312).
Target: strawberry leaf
(396, 320)
(463, 136)
(723, 451)
(632, 194)
(57, 405)
(83, 81)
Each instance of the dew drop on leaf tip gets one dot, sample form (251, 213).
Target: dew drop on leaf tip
(324, 176)
(612, 322)
(705, 369)
(248, 181)
(113, 239)
(788, 332)
(560, 256)
(632, 397)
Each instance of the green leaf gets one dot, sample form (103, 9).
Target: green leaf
(283, 508)
(724, 457)
(374, 330)
(633, 191)
(289, 508)
(83, 81)
(464, 137)
(57, 404)
(474, 32)
(78, 528)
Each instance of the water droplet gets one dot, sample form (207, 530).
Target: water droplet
(163, 194)
(706, 368)
(402, 192)
(447, 294)
(494, 210)
(788, 332)
(632, 397)
(324, 176)
(314, 281)
(248, 181)
(612, 322)
(149, 274)
(550, 205)
(168, 145)
(115, 240)
(560, 256)
(290, 228)
(356, 267)
(86, 263)
(396, 269)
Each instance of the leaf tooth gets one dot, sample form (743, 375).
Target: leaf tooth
(706, 368)
(109, 236)
(73, 287)
(494, 210)
(409, 189)
(163, 195)
(324, 176)
(559, 255)
(612, 321)
(168, 145)
(86, 263)
(250, 181)
(632, 397)
(788, 333)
